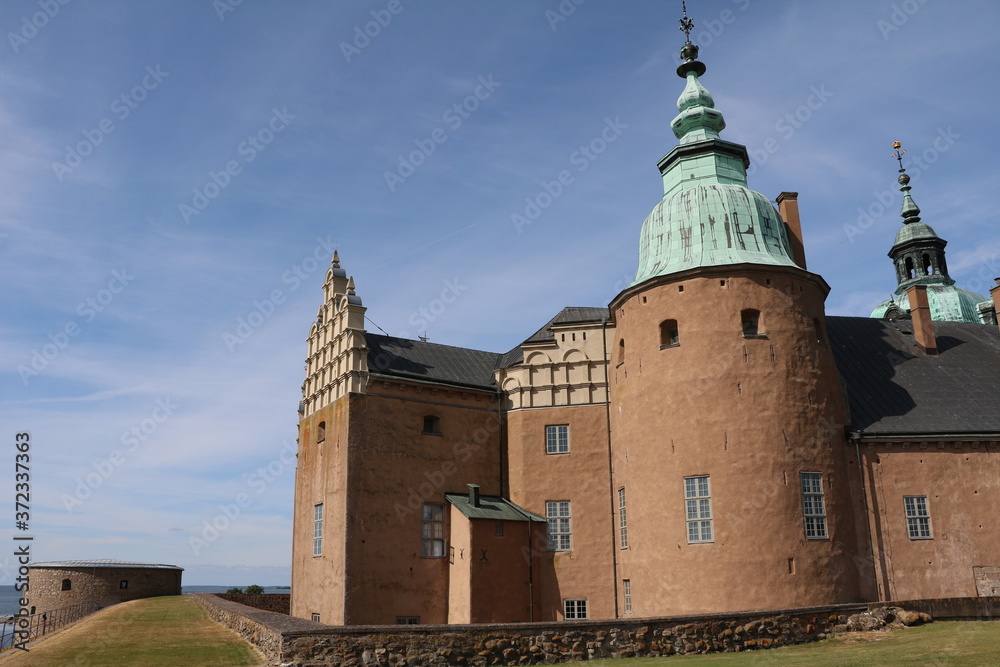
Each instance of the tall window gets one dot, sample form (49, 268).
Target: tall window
(574, 609)
(318, 530)
(560, 528)
(321, 432)
(627, 590)
(433, 535)
(557, 439)
(622, 521)
(918, 518)
(669, 335)
(813, 507)
(698, 507)
(751, 322)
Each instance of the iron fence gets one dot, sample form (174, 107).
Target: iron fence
(19, 629)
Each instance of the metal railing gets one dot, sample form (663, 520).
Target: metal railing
(20, 629)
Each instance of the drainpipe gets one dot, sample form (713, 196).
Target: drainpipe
(611, 478)
(856, 437)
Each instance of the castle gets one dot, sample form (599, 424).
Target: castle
(710, 441)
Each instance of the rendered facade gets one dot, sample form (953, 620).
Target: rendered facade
(655, 456)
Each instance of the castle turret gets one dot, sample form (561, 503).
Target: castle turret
(747, 505)
(918, 255)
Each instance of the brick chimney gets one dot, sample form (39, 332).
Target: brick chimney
(788, 206)
(995, 293)
(474, 495)
(923, 325)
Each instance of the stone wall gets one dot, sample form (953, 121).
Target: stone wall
(279, 603)
(294, 642)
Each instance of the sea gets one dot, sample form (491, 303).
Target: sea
(10, 598)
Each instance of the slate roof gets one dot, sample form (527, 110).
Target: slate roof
(417, 360)
(105, 562)
(568, 315)
(894, 388)
(491, 507)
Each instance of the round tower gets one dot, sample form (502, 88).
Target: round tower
(727, 414)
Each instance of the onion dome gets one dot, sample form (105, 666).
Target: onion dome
(708, 216)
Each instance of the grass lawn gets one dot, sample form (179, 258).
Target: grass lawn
(951, 644)
(167, 631)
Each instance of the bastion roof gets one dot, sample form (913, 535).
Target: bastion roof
(106, 562)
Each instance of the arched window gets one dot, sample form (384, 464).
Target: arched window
(751, 321)
(67, 585)
(909, 268)
(321, 432)
(432, 424)
(621, 352)
(669, 336)
(928, 269)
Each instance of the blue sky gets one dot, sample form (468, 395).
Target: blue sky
(171, 171)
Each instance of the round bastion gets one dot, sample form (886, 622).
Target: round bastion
(60, 584)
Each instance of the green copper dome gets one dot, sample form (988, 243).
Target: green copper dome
(708, 216)
(914, 231)
(948, 304)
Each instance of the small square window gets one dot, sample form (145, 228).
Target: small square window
(123, 584)
(315, 618)
(432, 425)
(574, 609)
(557, 439)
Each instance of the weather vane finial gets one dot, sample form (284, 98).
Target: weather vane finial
(687, 25)
(898, 154)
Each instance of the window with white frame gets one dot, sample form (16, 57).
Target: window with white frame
(698, 507)
(813, 507)
(918, 518)
(627, 591)
(557, 439)
(433, 530)
(574, 609)
(622, 520)
(318, 530)
(315, 618)
(560, 526)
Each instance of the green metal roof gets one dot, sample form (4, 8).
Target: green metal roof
(491, 507)
(948, 304)
(707, 216)
(913, 231)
